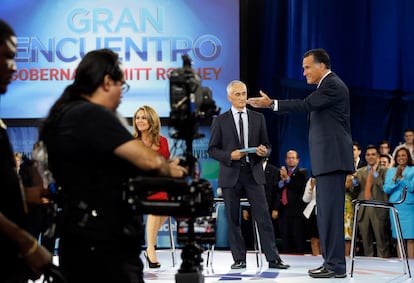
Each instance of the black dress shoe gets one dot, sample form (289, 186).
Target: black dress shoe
(279, 264)
(325, 273)
(238, 264)
(315, 269)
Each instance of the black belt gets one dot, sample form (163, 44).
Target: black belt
(244, 163)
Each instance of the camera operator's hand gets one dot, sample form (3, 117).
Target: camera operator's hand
(237, 155)
(36, 195)
(38, 260)
(36, 257)
(176, 170)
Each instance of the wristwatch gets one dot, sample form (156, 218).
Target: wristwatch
(272, 106)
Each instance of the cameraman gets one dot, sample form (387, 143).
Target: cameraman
(92, 156)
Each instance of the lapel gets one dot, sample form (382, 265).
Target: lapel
(231, 118)
(250, 127)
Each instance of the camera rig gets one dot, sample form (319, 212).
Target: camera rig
(190, 200)
(190, 103)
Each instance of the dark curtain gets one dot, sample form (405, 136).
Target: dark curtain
(371, 45)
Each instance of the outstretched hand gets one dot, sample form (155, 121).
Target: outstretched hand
(263, 101)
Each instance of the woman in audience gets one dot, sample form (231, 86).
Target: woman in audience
(396, 178)
(147, 128)
(309, 196)
(348, 214)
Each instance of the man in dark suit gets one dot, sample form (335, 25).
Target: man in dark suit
(330, 145)
(241, 173)
(358, 161)
(288, 205)
(272, 177)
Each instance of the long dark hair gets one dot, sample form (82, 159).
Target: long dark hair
(90, 74)
(407, 151)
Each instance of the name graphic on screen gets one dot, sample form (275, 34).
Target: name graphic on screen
(149, 36)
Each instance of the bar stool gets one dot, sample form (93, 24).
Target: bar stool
(172, 242)
(394, 211)
(257, 245)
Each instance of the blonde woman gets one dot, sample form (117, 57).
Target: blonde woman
(147, 128)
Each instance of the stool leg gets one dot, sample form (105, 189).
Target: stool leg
(400, 241)
(172, 243)
(210, 252)
(257, 245)
(353, 240)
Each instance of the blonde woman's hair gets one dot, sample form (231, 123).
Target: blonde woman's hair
(154, 124)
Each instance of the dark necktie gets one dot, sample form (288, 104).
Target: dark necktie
(284, 191)
(241, 130)
(369, 184)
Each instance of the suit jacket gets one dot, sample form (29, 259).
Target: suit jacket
(330, 141)
(295, 190)
(224, 139)
(361, 163)
(377, 191)
(394, 189)
(272, 176)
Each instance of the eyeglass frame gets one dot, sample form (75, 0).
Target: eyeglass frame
(125, 87)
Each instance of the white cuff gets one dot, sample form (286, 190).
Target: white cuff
(275, 105)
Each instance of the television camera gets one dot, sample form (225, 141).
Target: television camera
(190, 102)
(190, 200)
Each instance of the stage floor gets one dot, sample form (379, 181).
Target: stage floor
(366, 269)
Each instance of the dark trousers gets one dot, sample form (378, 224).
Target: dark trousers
(330, 201)
(83, 263)
(293, 232)
(255, 193)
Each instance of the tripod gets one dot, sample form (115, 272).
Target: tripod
(191, 268)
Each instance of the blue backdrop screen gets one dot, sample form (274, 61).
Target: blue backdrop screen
(149, 35)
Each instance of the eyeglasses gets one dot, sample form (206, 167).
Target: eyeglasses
(124, 87)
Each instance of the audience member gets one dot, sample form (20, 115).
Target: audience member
(309, 197)
(92, 156)
(408, 142)
(21, 257)
(272, 176)
(18, 157)
(349, 207)
(241, 173)
(40, 216)
(147, 127)
(358, 162)
(288, 205)
(385, 160)
(373, 222)
(348, 214)
(384, 147)
(396, 178)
